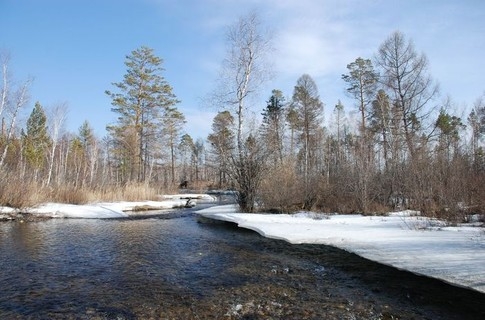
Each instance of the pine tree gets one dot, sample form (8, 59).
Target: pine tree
(361, 80)
(36, 140)
(273, 125)
(144, 96)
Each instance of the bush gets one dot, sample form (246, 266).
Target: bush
(279, 190)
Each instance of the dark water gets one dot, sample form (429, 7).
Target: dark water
(177, 268)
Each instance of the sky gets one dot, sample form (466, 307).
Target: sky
(75, 50)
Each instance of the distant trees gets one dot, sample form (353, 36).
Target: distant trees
(362, 83)
(476, 121)
(141, 150)
(400, 154)
(59, 114)
(172, 123)
(397, 148)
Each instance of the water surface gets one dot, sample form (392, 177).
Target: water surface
(177, 268)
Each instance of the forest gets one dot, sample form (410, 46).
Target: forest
(400, 145)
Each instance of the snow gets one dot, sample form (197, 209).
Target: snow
(403, 240)
(106, 210)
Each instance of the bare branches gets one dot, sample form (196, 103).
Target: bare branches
(404, 73)
(12, 101)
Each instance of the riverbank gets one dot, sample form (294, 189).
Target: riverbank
(404, 240)
(101, 210)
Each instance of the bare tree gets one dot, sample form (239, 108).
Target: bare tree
(222, 143)
(404, 72)
(4, 59)
(244, 69)
(58, 118)
(309, 112)
(12, 101)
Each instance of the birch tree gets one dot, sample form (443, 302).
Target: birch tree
(11, 102)
(57, 120)
(244, 70)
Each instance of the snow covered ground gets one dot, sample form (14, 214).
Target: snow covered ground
(403, 240)
(106, 210)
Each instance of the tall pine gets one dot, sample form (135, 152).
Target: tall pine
(36, 139)
(140, 102)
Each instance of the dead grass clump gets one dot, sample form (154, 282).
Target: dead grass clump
(128, 192)
(19, 193)
(70, 194)
(139, 191)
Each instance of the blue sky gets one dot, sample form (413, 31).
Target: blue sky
(76, 49)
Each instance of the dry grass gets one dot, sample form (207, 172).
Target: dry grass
(17, 193)
(128, 192)
(21, 193)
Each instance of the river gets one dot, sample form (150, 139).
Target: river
(170, 266)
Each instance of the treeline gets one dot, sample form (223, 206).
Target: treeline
(397, 147)
(144, 153)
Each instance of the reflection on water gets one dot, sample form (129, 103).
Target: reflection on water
(180, 269)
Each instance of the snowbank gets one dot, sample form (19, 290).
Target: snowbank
(402, 240)
(105, 210)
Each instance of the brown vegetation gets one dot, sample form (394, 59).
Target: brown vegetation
(23, 193)
(400, 153)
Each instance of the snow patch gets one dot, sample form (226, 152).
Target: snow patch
(403, 240)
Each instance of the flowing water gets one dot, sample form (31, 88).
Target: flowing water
(169, 266)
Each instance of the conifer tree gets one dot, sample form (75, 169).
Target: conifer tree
(361, 80)
(36, 140)
(143, 96)
(273, 125)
